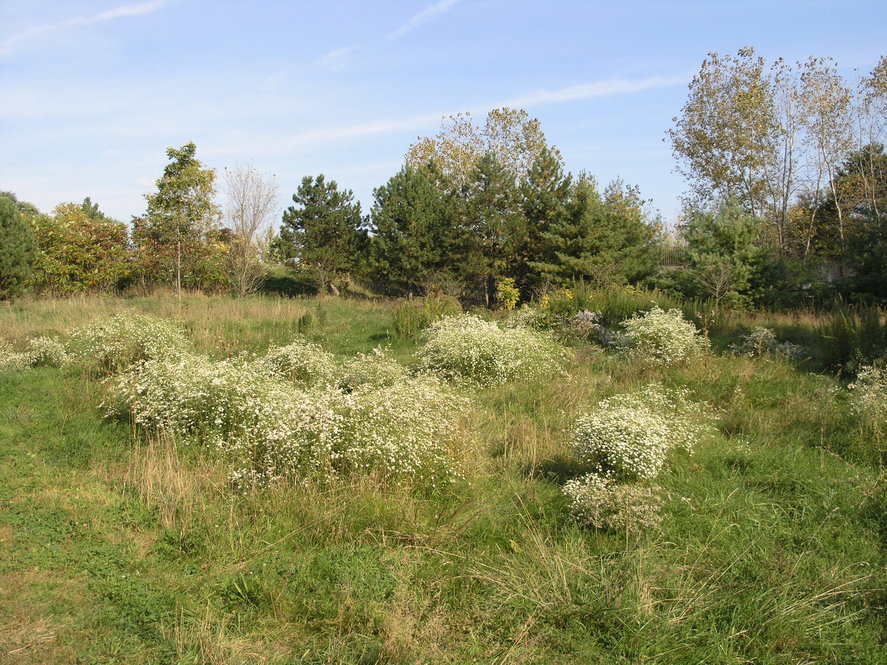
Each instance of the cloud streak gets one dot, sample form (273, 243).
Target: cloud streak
(335, 59)
(124, 11)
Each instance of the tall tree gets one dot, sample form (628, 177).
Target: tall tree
(80, 250)
(510, 135)
(182, 215)
(324, 231)
(724, 138)
(414, 238)
(544, 197)
(602, 239)
(490, 223)
(17, 247)
(252, 199)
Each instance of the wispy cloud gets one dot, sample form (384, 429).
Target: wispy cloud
(605, 88)
(335, 59)
(124, 11)
(425, 16)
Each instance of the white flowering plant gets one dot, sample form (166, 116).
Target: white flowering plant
(40, 351)
(868, 393)
(629, 436)
(471, 349)
(376, 368)
(272, 430)
(661, 337)
(601, 503)
(300, 361)
(762, 342)
(123, 339)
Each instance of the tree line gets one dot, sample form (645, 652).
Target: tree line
(787, 205)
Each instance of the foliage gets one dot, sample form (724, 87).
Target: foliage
(603, 504)
(41, 351)
(604, 239)
(507, 294)
(662, 337)
(761, 341)
(251, 200)
(178, 242)
(376, 368)
(509, 136)
(119, 341)
(469, 348)
(850, 335)
(415, 315)
(17, 247)
(80, 250)
(413, 235)
(724, 136)
(323, 231)
(724, 252)
(629, 436)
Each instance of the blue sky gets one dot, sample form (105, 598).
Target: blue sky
(94, 91)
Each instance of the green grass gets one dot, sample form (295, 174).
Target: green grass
(123, 549)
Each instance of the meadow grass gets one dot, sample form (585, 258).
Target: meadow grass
(121, 546)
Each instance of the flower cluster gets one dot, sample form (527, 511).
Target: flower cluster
(376, 368)
(121, 340)
(628, 436)
(602, 504)
(41, 351)
(662, 337)
(762, 341)
(469, 348)
(301, 362)
(272, 430)
(868, 394)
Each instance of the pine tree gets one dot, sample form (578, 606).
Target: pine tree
(17, 247)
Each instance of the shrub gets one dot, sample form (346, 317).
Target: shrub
(662, 338)
(868, 393)
(121, 340)
(376, 368)
(629, 436)
(301, 362)
(762, 341)
(46, 351)
(41, 351)
(602, 504)
(507, 294)
(271, 430)
(467, 347)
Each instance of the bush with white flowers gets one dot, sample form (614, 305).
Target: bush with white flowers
(469, 348)
(126, 338)
(629, 436)
(661, 337)
(600, 503)
(300, 361)
(41, 351)
(376, 368)
(272, 430)
(868, 393)
(762, 341)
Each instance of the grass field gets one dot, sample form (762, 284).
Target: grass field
(119, 546)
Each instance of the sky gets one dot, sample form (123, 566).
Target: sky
(95, 91)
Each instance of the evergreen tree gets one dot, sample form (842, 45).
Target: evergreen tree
(414, 239)
(490, 226)
(544, 194)
(323, 232)
(17, 247)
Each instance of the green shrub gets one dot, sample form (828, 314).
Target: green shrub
(762, 342)
(467, 347)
